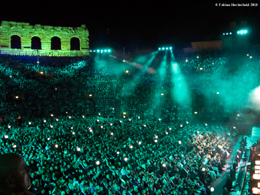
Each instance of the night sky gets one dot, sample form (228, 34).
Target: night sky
(134, 24)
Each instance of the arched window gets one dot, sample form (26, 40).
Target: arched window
(36, 43)
(55, 43)
(16, 42)
(74, 44)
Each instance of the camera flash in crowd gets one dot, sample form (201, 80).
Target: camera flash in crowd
(138, 117)
(97, 120)
(44, 121)
(212, 189)
(164, 165)
(166, 133)
(6, 136)
(48, 139)
(155, 141)
(97, 162)
(181, 125)
(187, 122)
(56, 146)
(111, 133)
(71, 128)
(57, 119)
(131, 146)
(117, 152)
(29, 123)
(14, 146)
(90, 95)
(9, 126)
(139, 143)
(83, 116)
(179, 142)
(16, 97)
(78, 149)
(73, 133)
(69, 117)
(125, 159)
(203, 169)
(51, 115)
(51, 126)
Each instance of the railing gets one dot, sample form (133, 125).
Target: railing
(244, 178)
(31, 52)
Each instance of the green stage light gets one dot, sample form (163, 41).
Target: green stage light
(223, 33)
(90, 50)
(230, 33)
(98, 51)
(170, 47)
(226, 33)
(163, 48)
(105, 50)
(108, 51)
(159, 48)
(166, 48)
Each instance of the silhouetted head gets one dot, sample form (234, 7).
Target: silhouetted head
(14, 175)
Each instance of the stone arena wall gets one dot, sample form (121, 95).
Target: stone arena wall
(26, 32)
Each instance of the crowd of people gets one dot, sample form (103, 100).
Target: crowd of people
(85, 130)
(119, 156)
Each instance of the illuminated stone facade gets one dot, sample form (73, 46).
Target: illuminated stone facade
(45, 34)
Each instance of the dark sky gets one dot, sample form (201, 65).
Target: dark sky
(133, 24)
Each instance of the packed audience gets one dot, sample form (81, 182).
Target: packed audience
(126, 156)
(128, 147)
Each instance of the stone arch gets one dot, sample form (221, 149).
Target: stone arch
(74, 43)
(55, 43)
(16, 42)
(36, 43)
